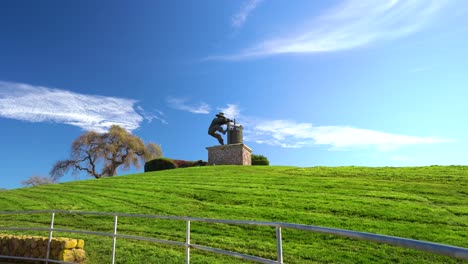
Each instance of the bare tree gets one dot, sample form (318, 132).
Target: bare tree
(100, 154)
(37, 180)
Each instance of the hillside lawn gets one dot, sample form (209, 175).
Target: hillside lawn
(424, 203)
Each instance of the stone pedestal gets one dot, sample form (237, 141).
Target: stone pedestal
(232, 154)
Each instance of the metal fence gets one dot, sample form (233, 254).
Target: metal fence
(447, 250)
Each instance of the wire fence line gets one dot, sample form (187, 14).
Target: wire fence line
(441, 249)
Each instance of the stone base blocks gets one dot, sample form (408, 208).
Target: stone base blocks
(63, 249)
(232, 154)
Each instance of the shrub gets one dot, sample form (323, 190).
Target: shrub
(200, 163)
(37, 180)
(183, 163)
(160, 164)
(259, 160)
(188, 163)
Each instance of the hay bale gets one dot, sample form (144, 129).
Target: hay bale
(80, 244)
(68, 244)
(66, 255)
(80, 255)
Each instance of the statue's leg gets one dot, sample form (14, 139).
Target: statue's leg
(220, 138)
(217, 136)
(220, 129)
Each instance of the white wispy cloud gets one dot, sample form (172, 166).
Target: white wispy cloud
(351, 24)
(290, 134)
(181, 104)
(240, 17)
(89, 112)
(150, 115)
(230, 110)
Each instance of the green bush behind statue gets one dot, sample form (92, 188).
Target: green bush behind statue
(160, 164)
(167, 164)
(259, 160)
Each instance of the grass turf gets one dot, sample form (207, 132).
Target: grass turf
(425, 203)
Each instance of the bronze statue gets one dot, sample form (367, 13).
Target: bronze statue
(216, 126)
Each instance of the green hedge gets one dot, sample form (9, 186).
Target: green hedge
(160, 164)
(167, 164)
(259, 160)
(188, 163)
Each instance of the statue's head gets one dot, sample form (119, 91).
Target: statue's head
(221, 114)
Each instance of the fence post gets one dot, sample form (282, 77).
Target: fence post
(187, 243)
(279, 244)
(50, 237)
(114, 239)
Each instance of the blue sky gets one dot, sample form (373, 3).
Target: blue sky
(351, 82)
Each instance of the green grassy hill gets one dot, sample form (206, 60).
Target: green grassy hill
(425, 203)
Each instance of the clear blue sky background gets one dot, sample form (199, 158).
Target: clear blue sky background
(352, 82)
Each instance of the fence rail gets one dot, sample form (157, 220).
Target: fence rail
(441, 249)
